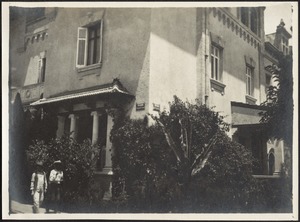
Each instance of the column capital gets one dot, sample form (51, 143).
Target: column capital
(96, 113)
(71, 116)
(110, 111)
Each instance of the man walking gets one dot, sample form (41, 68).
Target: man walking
(38, 186)
(55, 185)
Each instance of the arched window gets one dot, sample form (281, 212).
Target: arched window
(271, 162)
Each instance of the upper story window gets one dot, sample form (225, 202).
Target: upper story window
(268, 82)
(42, 70)
(89, 44)
(250, 18)
(216, 72)
(34, 14)
(285, 45)
(249, 80)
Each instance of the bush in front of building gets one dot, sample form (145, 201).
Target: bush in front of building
(157, 179)
(78, 161)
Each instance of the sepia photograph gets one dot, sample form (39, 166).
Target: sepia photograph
(150, 110)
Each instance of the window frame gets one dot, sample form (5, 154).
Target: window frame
(83, 45)
(250, 84)
(42, 69)
(284, 45)
(250, 17)
(216, 54)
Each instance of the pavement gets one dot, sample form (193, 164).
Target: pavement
(22, 208)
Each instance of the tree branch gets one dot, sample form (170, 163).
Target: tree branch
(204, 155)
(178, 152)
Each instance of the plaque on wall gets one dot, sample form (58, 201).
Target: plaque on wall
(140, 106)
(156, 107)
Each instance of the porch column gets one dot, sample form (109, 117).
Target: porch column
(73, 126)
(60, 126)
(108, 155)
(108, 151)
(95, 134)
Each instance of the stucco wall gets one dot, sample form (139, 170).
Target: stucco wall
(125, 40)
(234, 65)
(26, 49)
(172, 55)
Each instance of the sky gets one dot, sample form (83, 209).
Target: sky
(273, 15)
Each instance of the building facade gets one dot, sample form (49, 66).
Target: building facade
(80, 63)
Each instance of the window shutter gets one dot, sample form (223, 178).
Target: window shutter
(39, 69)
(101, 37)
(81, 47)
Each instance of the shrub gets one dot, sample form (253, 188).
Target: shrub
(78, 160)
(160, 166)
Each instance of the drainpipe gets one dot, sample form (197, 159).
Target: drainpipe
(206, 50)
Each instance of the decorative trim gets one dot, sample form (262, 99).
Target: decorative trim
(250, 100)
(90, 67)
(250, 61)
(217, 40)
(218, 86)
(35, 37)
(240, 29)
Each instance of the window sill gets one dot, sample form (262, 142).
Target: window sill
(217, 86)
(89, 67)
(274, 176)
(250, 100)
(104, 172)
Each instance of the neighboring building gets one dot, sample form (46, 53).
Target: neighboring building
(79, 62)
(276, 44)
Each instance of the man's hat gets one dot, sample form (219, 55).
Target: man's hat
(57, 162)
(39, 163)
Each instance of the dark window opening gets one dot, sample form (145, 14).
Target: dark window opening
(271, 164)
(67, 125)
(85, 126)
(42, 70)
(254, 21)
(93, 44)
(245, 16)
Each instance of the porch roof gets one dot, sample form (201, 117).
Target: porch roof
(113, 88)
(246, 115)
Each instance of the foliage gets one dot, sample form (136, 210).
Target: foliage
(279, 114)
(79, 162)
(183, 161)
(40, 125)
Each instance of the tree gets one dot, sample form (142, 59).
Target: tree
(278, 116)
(177, 161)
(278, 119)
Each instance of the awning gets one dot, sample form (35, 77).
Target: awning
(114, 88)
(246, 114)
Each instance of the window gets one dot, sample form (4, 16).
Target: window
(245, 16)
(89, 45)
(284, 45)
(42, 70)
(250, 18)
(268, 82)
(249, 81)
(215, 63)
